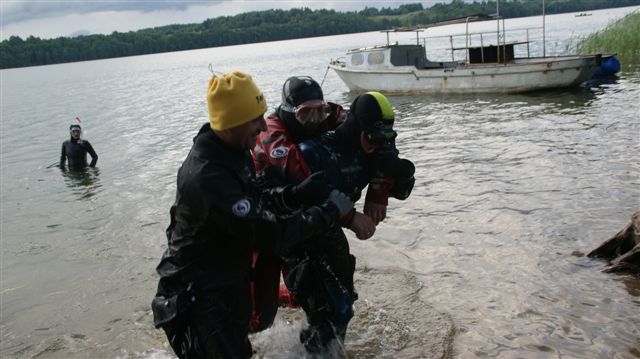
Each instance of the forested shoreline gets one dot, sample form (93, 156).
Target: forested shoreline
(270, 25)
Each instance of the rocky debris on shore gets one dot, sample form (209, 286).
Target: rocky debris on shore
(623, 249)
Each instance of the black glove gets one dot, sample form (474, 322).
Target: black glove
(308, 192)
(404, 179)
(405, 168)
(388, 160)
(390, 164)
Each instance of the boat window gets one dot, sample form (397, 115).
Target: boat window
(408, 55)
(357, 59)
(375, 58)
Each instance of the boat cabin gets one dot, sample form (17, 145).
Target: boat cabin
(392, 56)
(489, 54)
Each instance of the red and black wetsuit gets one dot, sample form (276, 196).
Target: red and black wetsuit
(328, 260)
(278, 145)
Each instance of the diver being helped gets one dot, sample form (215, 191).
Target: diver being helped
(359, 151)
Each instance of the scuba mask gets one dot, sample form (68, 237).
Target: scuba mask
(75, 130)
(380, 133)
(312, 114)
(375, 116)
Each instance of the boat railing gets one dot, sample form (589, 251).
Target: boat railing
(482, 40)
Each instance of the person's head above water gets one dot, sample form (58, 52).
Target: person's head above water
(370, 123)
(375, 116)
(75, 131)
(303, 98)
(236, 109)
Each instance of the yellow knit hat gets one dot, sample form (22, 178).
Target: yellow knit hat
(233, 99)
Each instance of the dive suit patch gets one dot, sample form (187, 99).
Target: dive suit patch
(241, 208)
(279, 152)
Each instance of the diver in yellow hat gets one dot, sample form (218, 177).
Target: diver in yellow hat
(221, 215)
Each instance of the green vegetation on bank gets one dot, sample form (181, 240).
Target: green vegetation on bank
(267, 25)
(621, 37)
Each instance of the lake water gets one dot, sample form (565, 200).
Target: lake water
(511, 190)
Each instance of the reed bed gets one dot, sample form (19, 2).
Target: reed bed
(621, 37)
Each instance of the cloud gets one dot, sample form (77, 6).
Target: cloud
(20, 10)
(53, 18)
(48, 19)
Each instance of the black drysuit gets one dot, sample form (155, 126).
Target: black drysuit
(76, 152)
(220, 216)
(321, 275)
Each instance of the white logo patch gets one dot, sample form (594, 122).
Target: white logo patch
(279, 152)
(241, 208)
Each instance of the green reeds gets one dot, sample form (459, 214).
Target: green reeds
(621, 38)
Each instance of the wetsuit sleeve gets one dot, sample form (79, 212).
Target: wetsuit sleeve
(297, 230)
(385, 175)
(275, 147)
(248, 219)
(92, 152)
(63, 157)
(378, 190)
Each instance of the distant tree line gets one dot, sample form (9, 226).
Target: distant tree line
(270, 25)
(510, 9)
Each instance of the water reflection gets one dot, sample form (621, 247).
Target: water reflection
(577, 97)
(600, 84)
(561, 98)
(85, 183)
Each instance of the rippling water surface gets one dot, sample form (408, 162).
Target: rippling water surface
(510, 192)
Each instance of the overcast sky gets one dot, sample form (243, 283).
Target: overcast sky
(53, 18)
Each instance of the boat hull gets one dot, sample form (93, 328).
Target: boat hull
(519, 75)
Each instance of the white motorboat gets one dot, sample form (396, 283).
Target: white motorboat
(486, 67)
